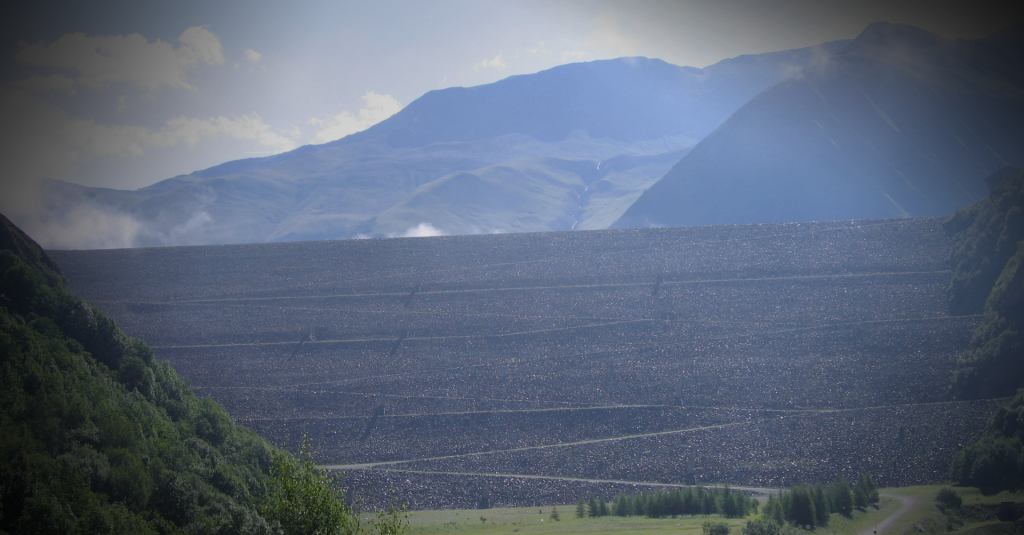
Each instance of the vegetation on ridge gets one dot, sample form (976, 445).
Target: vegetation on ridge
(988, 248)
(98, 436)
(691, 501)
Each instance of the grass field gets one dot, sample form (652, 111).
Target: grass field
(538, 520)
(911, 508)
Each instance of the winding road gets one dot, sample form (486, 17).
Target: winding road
(906, 504)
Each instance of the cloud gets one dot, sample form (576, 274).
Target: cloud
(86, 226)
(60, 216)
(41, 140)
(375, 109)
(58, 224)
(121, 140)
(496, 63)
(253, 55)
(203, 44)
(423, 230)
(99, 61)
(539, 49)
(572, 55)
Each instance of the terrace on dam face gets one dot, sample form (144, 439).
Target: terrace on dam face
(754, 355)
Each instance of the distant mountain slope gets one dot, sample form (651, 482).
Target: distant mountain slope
(902, 123)
(571, 147)
(627, 99)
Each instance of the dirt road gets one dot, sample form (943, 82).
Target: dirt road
(906, 504)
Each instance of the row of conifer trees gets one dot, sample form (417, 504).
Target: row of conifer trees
(809, 506)
(690, 501)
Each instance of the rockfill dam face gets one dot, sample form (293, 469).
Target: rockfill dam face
(523, 369)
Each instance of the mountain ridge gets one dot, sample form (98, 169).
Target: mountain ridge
(369, 184)
(897, 125)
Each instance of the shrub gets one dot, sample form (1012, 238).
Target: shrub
(716, 528)
(948, 498)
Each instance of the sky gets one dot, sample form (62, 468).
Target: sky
(122, 94)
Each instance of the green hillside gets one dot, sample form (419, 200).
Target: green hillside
(98, 437)
(988, 252)
(988, 249)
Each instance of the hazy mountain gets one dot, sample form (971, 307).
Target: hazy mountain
(570, 147)
(901, 123)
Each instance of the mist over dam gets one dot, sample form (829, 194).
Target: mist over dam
(529, 368)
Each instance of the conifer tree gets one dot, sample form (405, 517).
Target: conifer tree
(821, 507)
(801, 509)
(842, 499)
(581, 509)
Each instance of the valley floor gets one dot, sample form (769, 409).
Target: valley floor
(902, 511)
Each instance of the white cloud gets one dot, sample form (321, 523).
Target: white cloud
(121, 140)
(40, 140)
(375, 109)
(539, 49)
(423, 230)
(496, 63)
(65, 219)
(253, 55)
(203, 44)
(103, 60)
(572, 55)
(84, 226)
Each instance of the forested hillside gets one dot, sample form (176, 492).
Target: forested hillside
(96, 436)
(988, 250)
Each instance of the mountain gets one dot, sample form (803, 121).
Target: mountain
(902, 123)
(567, 148)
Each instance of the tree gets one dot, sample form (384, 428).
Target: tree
(761, 527)
(775, 509)
(948, 498)
(554, 514)
(860, 497)
(865, 492)
(842, 498)
(581, 508)
(715, 528)
(302, 501)
(801, 509)
(821, 507)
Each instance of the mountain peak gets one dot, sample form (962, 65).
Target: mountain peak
(901, 45)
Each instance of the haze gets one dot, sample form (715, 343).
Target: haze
(123, 94)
